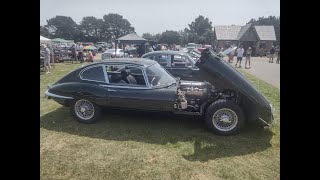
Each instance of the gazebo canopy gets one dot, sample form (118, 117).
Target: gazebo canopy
(132, 38)
(44, 40)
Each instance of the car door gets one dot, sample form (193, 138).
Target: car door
(94, 82)
(138, 96)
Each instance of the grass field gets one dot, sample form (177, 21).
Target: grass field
(135, 145)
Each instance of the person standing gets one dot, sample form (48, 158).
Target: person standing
(278, 58)
(248, 57)
(159, 47)
(271, 56)
(240, 52)
(74, 52)
(90, 56)
(46, 61)
(221, 50)
(230, 56)
(80, 53)
(51, 55)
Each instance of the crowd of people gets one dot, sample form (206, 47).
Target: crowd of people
(76, 50)
(77, 54)
(240, 53)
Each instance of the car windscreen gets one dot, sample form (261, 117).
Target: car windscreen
(191, 60)
(156, 70)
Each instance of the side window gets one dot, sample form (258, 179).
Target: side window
(162, 59)
(125, 75)
(150, 57)
(93, 74)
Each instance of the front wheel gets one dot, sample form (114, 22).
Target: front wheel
(224, 117)
(85, 111)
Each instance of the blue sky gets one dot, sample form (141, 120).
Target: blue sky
(157, 16)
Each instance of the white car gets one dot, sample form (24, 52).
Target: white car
(110, 53)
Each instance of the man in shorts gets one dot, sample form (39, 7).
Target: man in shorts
(240, 52)
(248, 57)
(46, 61)
(271, 55)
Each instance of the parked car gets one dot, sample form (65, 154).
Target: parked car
(143, 84)
(112, 53)
(87, 44)
(195, 54)
(191, 46)
(182, 64)
(101, 44)
(178, 63)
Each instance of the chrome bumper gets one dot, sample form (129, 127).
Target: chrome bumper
(49, 94)
(273, 122)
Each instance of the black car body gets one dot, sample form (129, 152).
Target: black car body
(227, 79)
(143, 84)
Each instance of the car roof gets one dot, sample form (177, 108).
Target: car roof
(166, 52)
(134, 61)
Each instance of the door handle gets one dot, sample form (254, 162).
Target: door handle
(112, 90)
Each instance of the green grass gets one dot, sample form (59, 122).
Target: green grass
(130, 145)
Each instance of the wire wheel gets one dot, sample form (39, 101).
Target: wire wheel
(225, 119)
(84, 109)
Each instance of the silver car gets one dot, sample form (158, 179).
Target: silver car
(112, 53)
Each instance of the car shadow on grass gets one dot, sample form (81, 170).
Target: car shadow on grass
(163, 129)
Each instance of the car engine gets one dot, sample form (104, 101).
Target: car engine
(192, 94)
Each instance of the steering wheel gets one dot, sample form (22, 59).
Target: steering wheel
(154, 81)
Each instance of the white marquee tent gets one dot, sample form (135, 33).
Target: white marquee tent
(44, 40)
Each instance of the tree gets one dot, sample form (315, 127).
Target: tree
(44, 32)
(193, 37)
(206, 38)
(184, 37)
(157, 36)
(91, 28)
(200, 25)
(170, 37)
(271, 20)
(62, 27)
(148, 36)
(115, 26)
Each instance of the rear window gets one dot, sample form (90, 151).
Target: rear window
(93, 74)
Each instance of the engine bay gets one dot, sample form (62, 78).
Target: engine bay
(191, 95)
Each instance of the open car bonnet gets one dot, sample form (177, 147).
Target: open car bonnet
(223, 76)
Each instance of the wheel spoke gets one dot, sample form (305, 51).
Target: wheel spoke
(225, 119)
(84, 109)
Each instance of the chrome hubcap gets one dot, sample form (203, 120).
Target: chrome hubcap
(225, 119)
(84, 109)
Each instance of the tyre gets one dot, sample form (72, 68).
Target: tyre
(224, 117)
(85, 111)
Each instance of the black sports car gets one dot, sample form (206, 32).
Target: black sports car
(226, 101)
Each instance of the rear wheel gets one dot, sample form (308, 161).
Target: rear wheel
(85, 111)
(224, 117)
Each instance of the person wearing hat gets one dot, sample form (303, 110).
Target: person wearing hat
(46, 60)
(248, 57)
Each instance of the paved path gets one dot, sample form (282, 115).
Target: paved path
(260, 68)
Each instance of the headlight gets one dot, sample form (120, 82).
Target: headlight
(273, 110)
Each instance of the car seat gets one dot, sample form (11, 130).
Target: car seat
(128, 78)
